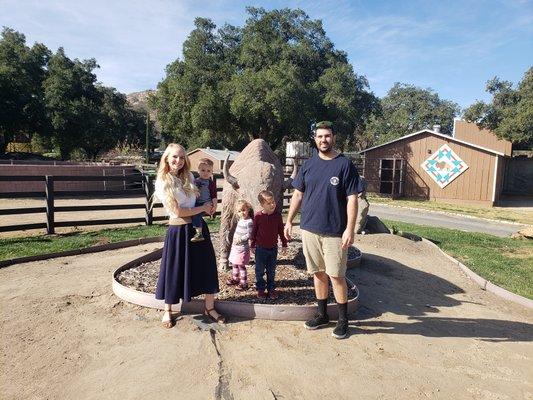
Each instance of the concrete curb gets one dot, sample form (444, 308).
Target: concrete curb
(277, 312)
(86, 250)
(485, 284)
(455, 214)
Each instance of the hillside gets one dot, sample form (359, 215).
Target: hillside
(139, 102)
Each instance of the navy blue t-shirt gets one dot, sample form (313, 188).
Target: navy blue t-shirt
(326, 184)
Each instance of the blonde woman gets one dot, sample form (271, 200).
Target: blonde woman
(188, 269)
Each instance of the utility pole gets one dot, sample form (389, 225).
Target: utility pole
(147, 139)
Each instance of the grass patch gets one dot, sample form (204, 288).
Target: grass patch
(497, 213)
(505, 262)
(44, 244)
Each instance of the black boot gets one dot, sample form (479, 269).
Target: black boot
(320, 319)
(341, 329)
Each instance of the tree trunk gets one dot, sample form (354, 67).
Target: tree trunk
(64, 153)
(3, 144)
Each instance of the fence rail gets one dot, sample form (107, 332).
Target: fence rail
(145, 183)
(50, 194)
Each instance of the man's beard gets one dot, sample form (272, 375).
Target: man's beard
(326, 151)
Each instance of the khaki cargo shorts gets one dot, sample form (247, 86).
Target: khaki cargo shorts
(324, 253)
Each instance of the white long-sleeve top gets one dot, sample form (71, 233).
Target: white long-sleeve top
(181, 197)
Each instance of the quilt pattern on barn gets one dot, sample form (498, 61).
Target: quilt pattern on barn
(444, 166)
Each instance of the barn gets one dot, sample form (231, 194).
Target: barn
(468, 167)
(217, 156)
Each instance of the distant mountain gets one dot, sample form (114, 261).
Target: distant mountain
(139, 101)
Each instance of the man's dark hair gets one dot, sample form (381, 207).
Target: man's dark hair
(322, 125)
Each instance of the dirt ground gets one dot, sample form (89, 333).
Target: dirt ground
(423, 330)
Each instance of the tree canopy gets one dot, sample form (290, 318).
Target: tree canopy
(407, 109)
(22, 70)
(54, 97)
(510, 113)
(268, 79)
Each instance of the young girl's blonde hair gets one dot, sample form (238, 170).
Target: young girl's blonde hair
(241, 202)
(182, 178)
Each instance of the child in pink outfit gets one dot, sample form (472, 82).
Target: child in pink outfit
(239, 256)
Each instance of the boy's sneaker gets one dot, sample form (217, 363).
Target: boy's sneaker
(261, 294)
(316, 322)
(241, 287)
(273, 294)
(198, 237)
(341, 329)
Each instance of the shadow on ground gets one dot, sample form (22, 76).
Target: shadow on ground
(387, 286)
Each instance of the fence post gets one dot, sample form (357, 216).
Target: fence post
(148, 192)
(50, 205)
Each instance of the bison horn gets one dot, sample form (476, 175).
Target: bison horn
(227, 176)
(287, 183)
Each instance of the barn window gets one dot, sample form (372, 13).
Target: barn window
(391, 176)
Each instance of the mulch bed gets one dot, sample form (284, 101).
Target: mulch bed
(294, 285)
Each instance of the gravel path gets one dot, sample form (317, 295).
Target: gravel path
(294, 285)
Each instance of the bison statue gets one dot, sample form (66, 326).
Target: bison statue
(255, 169)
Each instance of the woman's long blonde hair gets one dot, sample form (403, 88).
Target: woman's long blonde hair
(181, 179)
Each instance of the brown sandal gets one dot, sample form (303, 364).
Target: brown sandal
(167, 324)
(220, 319)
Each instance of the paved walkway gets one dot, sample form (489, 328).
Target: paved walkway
(423, 217)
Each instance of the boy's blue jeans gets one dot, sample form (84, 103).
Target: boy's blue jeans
(197, 219)
(265, 260)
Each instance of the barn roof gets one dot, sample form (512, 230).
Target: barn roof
(218, 154)
(439, 135)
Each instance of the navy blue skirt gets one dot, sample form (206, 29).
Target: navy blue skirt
(188, 269)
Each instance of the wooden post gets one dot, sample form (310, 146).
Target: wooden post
(393, 177)
(50, 205)
(402, 166)
(148, 192)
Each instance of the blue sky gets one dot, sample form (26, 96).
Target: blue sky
(453, 47)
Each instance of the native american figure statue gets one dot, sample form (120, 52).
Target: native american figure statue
(255, 169)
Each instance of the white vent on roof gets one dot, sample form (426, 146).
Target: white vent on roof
(436, 128)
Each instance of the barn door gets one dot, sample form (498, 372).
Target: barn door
(518, 179)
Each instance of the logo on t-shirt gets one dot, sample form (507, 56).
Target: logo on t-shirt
(334, 180)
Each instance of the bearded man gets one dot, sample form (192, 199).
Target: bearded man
(326, 188)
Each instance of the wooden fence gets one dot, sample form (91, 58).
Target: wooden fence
(141, 185)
